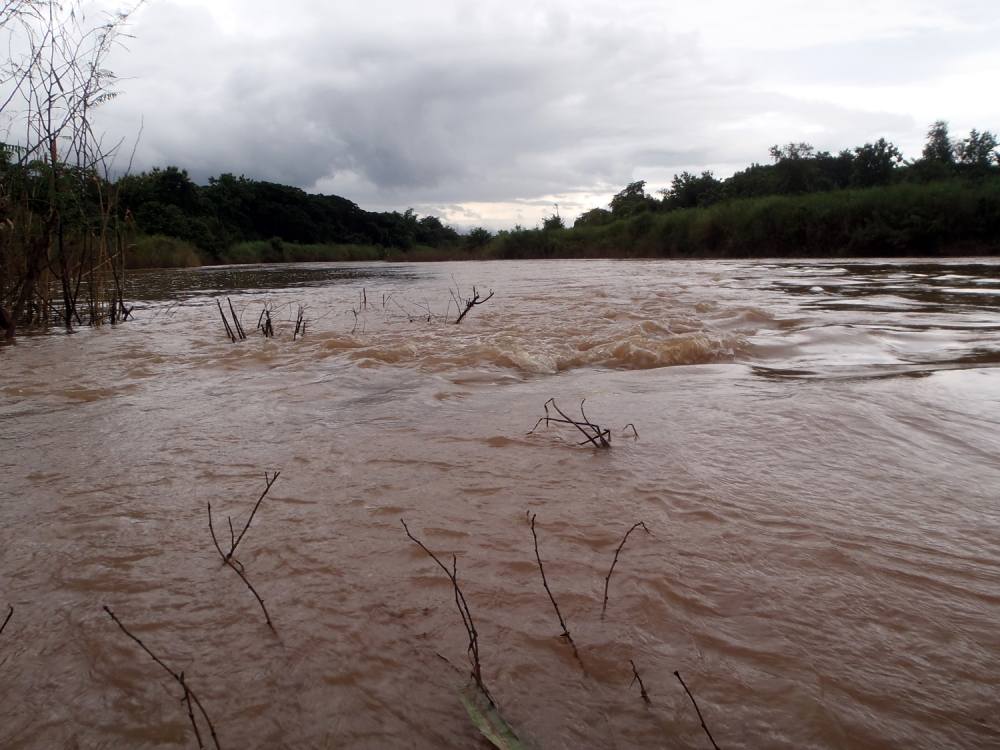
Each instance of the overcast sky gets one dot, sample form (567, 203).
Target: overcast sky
(487, 112)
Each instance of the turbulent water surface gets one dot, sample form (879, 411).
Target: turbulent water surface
(816, 461)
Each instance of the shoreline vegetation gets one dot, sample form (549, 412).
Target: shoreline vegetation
(938, 219)
(861, 202)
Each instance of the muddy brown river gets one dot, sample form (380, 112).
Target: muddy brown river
(817, 462)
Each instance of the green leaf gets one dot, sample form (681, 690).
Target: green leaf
(488, 720)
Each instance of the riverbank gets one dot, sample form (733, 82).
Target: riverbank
(937, 219)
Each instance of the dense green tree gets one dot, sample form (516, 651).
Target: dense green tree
(874, 163)
(478, 237)
(939, 147)
(978, 150)
(632, 200)
(688, 190)
(595, 217)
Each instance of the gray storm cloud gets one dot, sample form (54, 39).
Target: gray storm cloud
(448, 104)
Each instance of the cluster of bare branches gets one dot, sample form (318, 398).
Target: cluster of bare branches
(265, 321)
(264, 324)
(190, 699)
(234, 542)
(599, 437)
(594, 434)
(63, 238)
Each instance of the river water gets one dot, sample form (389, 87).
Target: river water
(816, 462)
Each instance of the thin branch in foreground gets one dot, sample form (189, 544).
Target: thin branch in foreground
(10, 613)
(596, 435)
(565, 631)
(463, 610)
(189, 694)
(268, 482)
(636, 678)
(607, 578)
(697, 710)
(237, 566)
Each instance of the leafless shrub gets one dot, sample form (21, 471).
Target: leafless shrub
(597, 436)
(465, 304)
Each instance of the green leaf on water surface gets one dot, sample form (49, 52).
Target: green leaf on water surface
(488, 720)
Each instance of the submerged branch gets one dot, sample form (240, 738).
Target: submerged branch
(565, 631)
(697, 710)
(636, 678)
(189, 694)
(463, 611)
(607, 578)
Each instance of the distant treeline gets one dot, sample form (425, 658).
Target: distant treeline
(864, 201)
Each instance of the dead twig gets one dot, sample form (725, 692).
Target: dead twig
(300, 324)
(237, 567)
(607, 578)
(10, 613)
(267, 482)
(189, 694)
(697, 710)
(469, 302)
(642, 687)
(565, 631)
(228, 558)
(463, 611)
(634, 431)
(596, 435)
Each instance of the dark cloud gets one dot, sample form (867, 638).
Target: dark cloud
(449, 104)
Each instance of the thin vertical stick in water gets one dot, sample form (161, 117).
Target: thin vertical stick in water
(697, 710)
(189, 694)
(10, 613)
(545, 583)
(236, 320)
(463, 610)
(229, 331)
(637, 678)
(607, 579)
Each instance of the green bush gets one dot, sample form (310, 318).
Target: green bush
(160, 251)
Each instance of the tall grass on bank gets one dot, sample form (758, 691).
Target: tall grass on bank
(278, 251)
(160, 251)
(942, 218)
